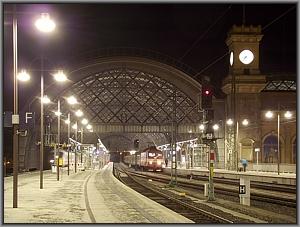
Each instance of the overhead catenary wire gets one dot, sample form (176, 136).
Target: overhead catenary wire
(203, 34)
(222, 56)
(276, 19)
(211, 64)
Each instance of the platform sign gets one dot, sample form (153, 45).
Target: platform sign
(27, 120)
(60, 162)
(242, 189)
(209, 136)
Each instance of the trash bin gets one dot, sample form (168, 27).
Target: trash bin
(53, 169)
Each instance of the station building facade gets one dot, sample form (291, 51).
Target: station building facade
(262, 107)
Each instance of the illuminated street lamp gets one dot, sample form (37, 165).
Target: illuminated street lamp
(215, 127)
(230, 122)
(72, 100)
(287, 115)
(60, 76)
(89, 127)
(23, 76)
(79, 113)
(45, 24)
(269, 114)
(57, 113)
(84, 121)
(201, 127)
(245, 122)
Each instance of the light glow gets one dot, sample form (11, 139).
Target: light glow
(89, 127)
(45, 99)
(269, 114)
(45, 24)
(288, 115)
(57, 113)
(229, 122)
(72, 100)
(74, 126)
(246, 57)
(215, 127)
(201, 127)
(84, 121)
(79, 113)
(60, 76)
(245, 122)
(67, 121)
(23, 76)
(231, 58)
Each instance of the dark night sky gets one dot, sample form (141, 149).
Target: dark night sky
(170, 29)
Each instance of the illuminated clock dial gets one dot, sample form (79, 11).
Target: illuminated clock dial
(246, 57)
(231, 58)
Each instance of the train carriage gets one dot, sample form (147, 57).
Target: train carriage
(149, 159)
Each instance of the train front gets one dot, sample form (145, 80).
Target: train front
(155, 160)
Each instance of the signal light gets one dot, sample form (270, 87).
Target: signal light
(206, 97)
(136, 144)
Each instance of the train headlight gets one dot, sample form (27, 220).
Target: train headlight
(150, 162)
(158, 162)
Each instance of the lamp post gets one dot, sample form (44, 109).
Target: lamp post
(76, 147)
(15, 117)
(83, 122)
(71, 100)
(45, 23)
(230, 122)
(278, 143)
(78, 113)
(56, 153)
(68, 121)
(42, 128)
(269, 115)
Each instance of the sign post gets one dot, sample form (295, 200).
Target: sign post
(211, 195)
(244, 190)
(256, 151)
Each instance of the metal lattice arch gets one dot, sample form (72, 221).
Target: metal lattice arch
(130, 94)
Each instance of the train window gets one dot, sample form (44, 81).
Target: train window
(150, 154)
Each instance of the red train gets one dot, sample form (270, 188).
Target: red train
(149, 159)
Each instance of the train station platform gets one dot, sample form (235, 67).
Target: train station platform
(259, 176)
(91, 196)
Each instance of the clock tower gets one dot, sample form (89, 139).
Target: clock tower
(242, 87)
(244, 74)
(243, 43)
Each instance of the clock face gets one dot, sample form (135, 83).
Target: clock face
(246, 57)
(231, 58)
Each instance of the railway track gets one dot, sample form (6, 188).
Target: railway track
(181, 205)
(232, 190)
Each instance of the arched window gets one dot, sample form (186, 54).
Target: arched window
(270, 147)
(294, 152)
